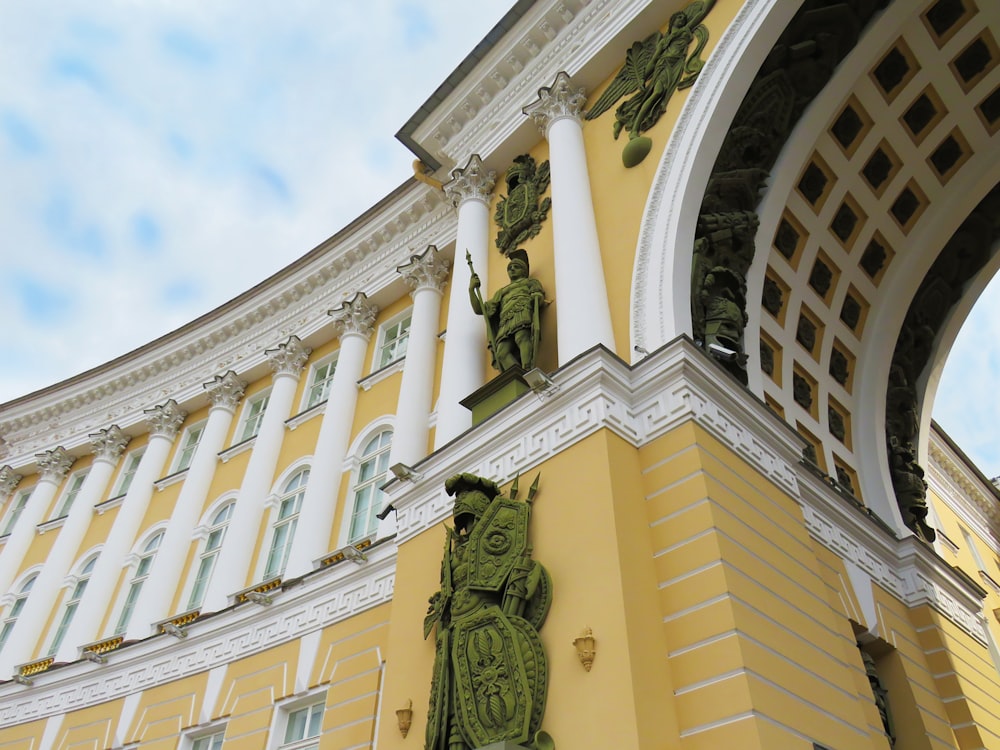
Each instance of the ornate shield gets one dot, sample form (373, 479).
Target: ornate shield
(521, 201)
(497, 542)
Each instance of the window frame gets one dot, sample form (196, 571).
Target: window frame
(379, 361)
(358, 459)
(205, 532)
(211, 733)
(125, 608)
(308, 402)
(127, 474)
(263, 396)
(283, 524)
(15, 509)
(13, 610)
(279, 739)
(71, 492)
(71, 602)
(188, 449)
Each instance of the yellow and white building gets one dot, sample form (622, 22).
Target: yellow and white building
(190, 553)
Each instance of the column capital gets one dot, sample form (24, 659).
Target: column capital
(289, 357)
(8, 481)
(166, 419)
(356, 315)
(473, 182)
(54, 464)
(428, 270)
(109, 443)
(556, 102)
(225, 390)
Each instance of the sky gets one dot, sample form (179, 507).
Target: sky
(157, 158)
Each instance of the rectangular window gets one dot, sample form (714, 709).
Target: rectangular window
(303, 728)
(392, 341)
(128, 473)
(253, 414)
(319, 383)
(191, 439)
(15, 511)
(72, 490)
(209, 742)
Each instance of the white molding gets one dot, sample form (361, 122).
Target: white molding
(235, 450)
(164, 482)
(378, 376)
(340, 592)
(960, 488)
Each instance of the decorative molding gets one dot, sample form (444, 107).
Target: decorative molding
(54, 464)
(9, 479)
(166, 419)
(163, 482)
(953, 482)
(235, 450)
(355, 316)
(109, 443)
(556, 102)
(225, 391)
(289, 357)
(473, 182)
(49, 525)
(428, 270)
(302, 417)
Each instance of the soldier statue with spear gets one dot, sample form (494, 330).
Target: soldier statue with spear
(512, 315)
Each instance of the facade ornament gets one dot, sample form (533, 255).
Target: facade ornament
(288, 358)
(225, 390)
(512, 315)
(473, 182)
(109, 443)
(54, 464)
(425, 271)
(586, 648)
(166, 419)
(520, 213)
(654, 69)
(9, 480)
(4, 448)
(404, 718)
(555, 102)
(490, 672)
(356, 315)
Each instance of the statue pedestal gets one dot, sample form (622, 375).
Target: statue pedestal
(495, 395)
(505, 745)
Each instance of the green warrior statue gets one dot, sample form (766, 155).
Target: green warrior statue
(490, 673)
(512, 314)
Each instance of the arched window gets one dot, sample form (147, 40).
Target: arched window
(15, 609)
(368, 498)
(71, 605)
(138, 579)
(206, 561)
(285, 522)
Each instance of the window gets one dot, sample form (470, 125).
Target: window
(304, 724)
(206, 564)
(253, 414)
(392, 340)
(319, 383)
(72, 490)
(138, 579)
(367, 495)
(128, 473)
(15, 511)
(71, 604)
(15, 609)
(209, 742)
(285, 523)
(191, 439)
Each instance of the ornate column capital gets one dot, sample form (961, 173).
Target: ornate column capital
(165, 420)
(428, 270)
(225, 390)
(473, 182)
(54, 464)
(556, 102)
(289, 357)
(8, 481)
(356, 315)
(109, 443)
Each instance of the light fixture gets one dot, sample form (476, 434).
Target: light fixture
(20, 679)
(355, 555)
(405, 473)
(539, 382)
(384, 513)
(174, 630)
(259, 597)
(404, 717)
(94, 657)
(586, 648)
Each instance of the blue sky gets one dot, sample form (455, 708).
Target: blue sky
(158, 158)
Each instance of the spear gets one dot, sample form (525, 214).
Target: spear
(482, 306)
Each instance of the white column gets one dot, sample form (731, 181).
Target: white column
(108, 446)
(163, 421)
(582, 312)
(355, 321)
(464, 368)
(9, 479)
(425, 274)
(236, 554)
(53, 465)
(225, 392)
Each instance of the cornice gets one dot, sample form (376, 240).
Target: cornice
(960, 487)
(363, 256)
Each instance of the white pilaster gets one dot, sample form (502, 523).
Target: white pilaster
(425, 274)
(582, 312)
(464, 368)
(163, 421)
(236, 555)
(53, 466)
(108, 446)
(355, 321)
(225, 392)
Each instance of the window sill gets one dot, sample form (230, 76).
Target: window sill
(107, 505)
(170, 479)
(237, 449)
(50, 525)
(379, 375)
(304, 416)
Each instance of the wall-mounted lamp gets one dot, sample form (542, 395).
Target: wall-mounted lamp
(353, 554)
(384, 513)
(259, 597)
(539, 382)
(20, 679)
(94, 657)
(174, 630)
(586, 648)
(405, 473)
(404, 717)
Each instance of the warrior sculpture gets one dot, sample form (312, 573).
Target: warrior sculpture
(490, 673)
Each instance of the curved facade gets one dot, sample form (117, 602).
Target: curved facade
(228, 537)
